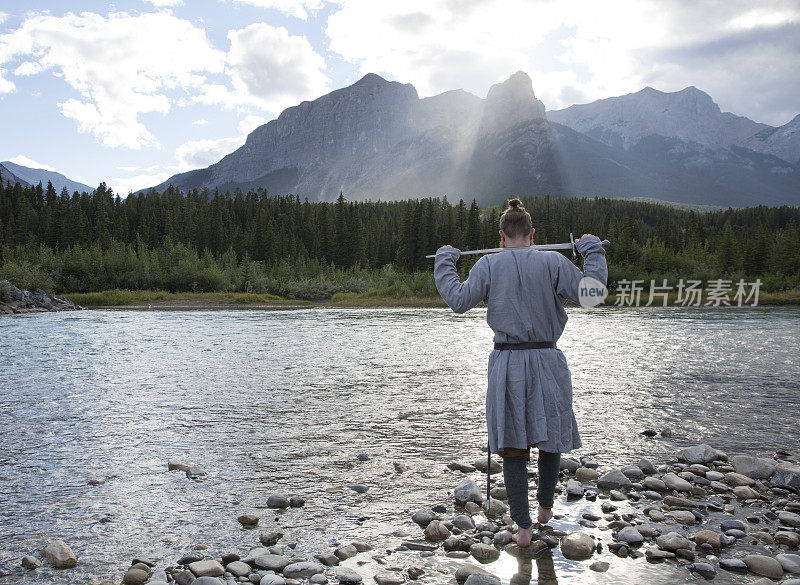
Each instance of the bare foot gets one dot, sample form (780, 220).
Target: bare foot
(523, 537)
(545, 515)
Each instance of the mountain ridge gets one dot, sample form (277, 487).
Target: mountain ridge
(34, 176)
(377, 139)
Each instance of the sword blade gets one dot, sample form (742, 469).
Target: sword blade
(566, 246)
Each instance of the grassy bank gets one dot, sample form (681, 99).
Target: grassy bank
(377, 297)
(126, 298)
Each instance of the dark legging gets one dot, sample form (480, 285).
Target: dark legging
(515, 474)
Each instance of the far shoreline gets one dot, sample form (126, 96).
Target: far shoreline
(147, 300)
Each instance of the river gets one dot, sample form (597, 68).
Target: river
(271, 401)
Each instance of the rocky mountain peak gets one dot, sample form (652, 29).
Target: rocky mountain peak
(511, 102)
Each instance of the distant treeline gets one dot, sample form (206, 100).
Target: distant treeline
(255, 242)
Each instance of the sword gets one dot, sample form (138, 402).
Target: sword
(565, 246)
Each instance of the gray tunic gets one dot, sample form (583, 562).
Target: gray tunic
(529, 395)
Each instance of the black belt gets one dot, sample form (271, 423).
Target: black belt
(526, 345)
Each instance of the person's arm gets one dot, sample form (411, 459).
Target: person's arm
(460, 296)
(594, 265)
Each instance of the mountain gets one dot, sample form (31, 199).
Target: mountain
(689, 115)
(376, 139)
(783, 142)
(7, 176)
(36, 176)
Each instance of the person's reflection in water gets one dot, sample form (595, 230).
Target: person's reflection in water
(538, 551)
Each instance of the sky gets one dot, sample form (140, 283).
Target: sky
(132, 92)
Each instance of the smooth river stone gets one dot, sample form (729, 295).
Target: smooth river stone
(673, 541)
(676, 483)
(467, 491)
(60, 555)
(697, 454)
(756, 467)
(578, 546)
(764, 566)
(347, 575)
(238, 569)
(789, 562)
(208, 568)
(390, 578)
(272, 562)
(614, 479)
(302, 570)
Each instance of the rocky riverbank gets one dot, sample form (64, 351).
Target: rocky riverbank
(14, 300)
(702, 515)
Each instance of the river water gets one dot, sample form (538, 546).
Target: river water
(270, 401)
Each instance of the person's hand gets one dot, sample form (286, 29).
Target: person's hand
(585, 236)
(447, 246)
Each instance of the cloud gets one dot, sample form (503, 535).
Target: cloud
(201, 153)
(23, 160)
(296, 8)
(572, 49)
(165, 3)
(200, 122)
(125, 185)
(268, 69)
(116, 72)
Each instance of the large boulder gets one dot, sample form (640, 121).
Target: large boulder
(755, 467)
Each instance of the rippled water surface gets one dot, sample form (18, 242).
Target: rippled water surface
(271, 401)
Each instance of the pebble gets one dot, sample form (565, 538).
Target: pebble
(463, 522)
(789, 562)
(135, 577)
(248, 520)
(676, 483)
(481, 579)
(745, 493)
(484, 553)
(389, 578)
(630, 535)
(208, 568)
(238, 569)
(272, 562)
(708, 537)
(789, 519)
(30, 562)
(195, 472)
(297, 502)
(614, 479)
(358, 488)
(467, 491)
(345, 552)
(277, 501)
(272, 580)
(599, 566)
(733, 565)
(697, 454)
(673, 541)
(436, 531)
(585, 474)
(177, 465)
(682, 516)
(786, 538)
(705, 570)
(347, 575)
(423, 517)
(302, 570)
(60, 555)
(574, 488)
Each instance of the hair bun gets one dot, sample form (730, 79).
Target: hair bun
(515, 203)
